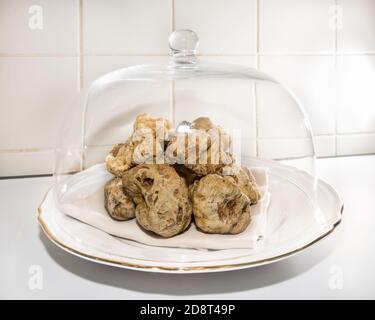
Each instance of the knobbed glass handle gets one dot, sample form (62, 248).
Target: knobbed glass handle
(184, 44)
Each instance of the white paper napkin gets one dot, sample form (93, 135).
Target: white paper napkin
(85, 202)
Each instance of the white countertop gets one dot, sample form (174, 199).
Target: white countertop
(341, 266)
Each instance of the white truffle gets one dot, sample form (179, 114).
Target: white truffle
(161, 198)
(244, 179)
(145, 145)
(219, 205)
(118, 205)
(203, 149)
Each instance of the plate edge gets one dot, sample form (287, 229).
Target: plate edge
(192, 269)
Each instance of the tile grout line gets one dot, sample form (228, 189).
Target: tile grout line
(173, 21)
(81, 62)
(39, 55)
(27, 176)
(49, 149)
(28, 150)
(257, 33)
(336, 76)
(358, 133)
(173, 86)
(336, 28)
(255, 87)
(173, 103)
(230, 54)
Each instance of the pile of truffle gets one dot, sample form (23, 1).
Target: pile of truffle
(160, 185)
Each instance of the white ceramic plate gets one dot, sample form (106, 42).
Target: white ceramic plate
(302, 212)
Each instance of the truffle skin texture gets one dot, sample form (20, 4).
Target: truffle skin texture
(244, 179)
(205, 123)
(145, 145)
(120, 158)
(118, 205)
(219, 206)
(159, 126)
(161, 198)
(212, 161)
(203, 150)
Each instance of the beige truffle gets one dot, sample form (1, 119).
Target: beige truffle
(118, 205)
(244, 179)
(203, 149)
(158, 126)
(145, 145)
(219, 205)
(205, 123)
(120, 158)
(211, 161)
(161, 198)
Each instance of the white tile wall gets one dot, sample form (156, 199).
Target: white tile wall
(324, 50)
(39, 27)
(355, 144)
(295, 26)
(32, 89)
(224, 27)
(234, 106)
(278, 115)
(313, 79)
(358, 24)
(325, 145)
(246, 60)
(357, 94)
(96, 66)
(26, 163)
(126, 27)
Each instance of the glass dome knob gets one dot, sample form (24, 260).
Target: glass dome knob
(184, 44)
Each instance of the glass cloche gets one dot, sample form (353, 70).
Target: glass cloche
(212, 126)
